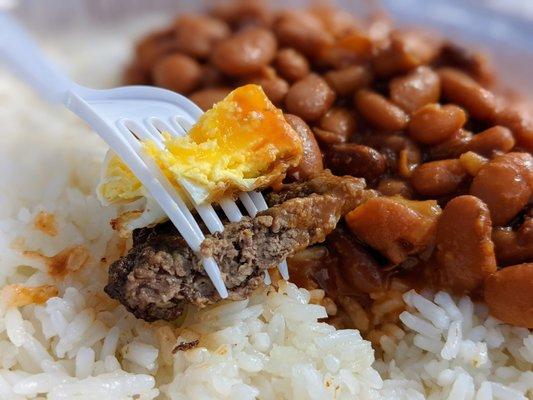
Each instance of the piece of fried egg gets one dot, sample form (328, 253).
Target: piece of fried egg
(243, 143)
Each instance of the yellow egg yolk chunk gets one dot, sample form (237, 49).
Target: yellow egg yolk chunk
(243, 143)
(118, 183)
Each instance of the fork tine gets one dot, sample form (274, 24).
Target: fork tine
(177, 127)
(268, 281)
(142, 131)
(162, 126)
(213, 272)
(284, 270)
(258, 200)
(210, 217)
(151, 125)
(185, 124)
(231, 210)
(248, 204)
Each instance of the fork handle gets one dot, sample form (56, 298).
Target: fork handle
(24, 58)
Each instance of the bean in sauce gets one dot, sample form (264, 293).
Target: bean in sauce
(309, 98)
(438, 178)
(206, 98)
(433, 123)
(177, 72)
(464, 249)
(339, 121)
(291, 65)
(245, 52)
(505, 185)
(380, 112)
(196, 35)
(416, 89)
(492, 141)
(346, 81)
(311, 162)
(357, 160)
(509, 296)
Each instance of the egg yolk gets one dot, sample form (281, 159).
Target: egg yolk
(243, 143)
(118, 183)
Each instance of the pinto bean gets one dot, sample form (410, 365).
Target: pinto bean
(395, 187)
(525, 232)
(519, 122)
(438, 178)
(347, 80)
(328, 137)
(196, 35)
(243, 13)
(394, 226)
(206, 98)
(336, 20)
(311, 162)
(356, 160)
(154, 46)
(416, 89)
(177, 72)
(514, 247)
(211, 76)
(474, 63)
(347, 50)
(291, 65)
(245, 52)
(452, 147)
(509, 296)
(464, 252)
(379, 111)
(492, 141)
(302, 31)
(405, 51)
(339, 121)
(465, 91)
(505, 185)
(401, 153)
(358, 270)
(309, 98)
(275, 87)
(433, 123)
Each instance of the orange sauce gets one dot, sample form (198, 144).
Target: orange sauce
(46, 223)
(68, 260)
(16, 295)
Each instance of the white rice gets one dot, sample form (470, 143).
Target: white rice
(81, 345)
(472, 357)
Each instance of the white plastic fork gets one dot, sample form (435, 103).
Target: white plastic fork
(123, 117)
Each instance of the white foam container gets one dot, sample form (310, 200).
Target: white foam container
(504, 28)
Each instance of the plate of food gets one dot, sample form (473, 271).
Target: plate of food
(397, 165)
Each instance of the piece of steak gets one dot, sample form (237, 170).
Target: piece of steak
(160, 274)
